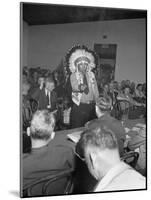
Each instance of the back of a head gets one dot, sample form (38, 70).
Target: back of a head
(100, 150)
(49, 79)
(99, 136)
(25, 87)
(42, 125)
(104, 104)
(139, 86)
(112, 124)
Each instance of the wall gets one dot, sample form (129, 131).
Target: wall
(25, 43)
(49, 43)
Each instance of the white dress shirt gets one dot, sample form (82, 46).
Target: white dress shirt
(47, 92)
(121, 177)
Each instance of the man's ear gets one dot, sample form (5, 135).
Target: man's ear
(97, 110)
(93, 159)
(52, 135)
(28, 131)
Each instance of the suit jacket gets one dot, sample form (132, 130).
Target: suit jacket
(41, 98)
(55, 157)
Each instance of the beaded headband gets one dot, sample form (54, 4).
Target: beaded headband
(80, 53)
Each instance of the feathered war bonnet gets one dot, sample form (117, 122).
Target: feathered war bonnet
(80, 53)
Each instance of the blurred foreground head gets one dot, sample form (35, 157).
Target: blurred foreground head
(100, 150)
(42, 125)
(102, 105)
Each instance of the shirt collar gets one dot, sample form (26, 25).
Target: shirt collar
(112, 173)
(47, 92)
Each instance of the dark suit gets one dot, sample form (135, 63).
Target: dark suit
(56, 157)
(42, 99)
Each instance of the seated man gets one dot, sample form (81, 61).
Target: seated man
(26, 108)
(103, 108)
(103, 160)
(50, 153)
(26, 116)
(137, 142)
(129, 105)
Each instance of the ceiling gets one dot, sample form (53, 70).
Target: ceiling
(41, 14)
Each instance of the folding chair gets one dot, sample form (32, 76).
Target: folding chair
(130, 158)
(60, 183)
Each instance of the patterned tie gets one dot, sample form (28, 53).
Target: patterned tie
(86, 83)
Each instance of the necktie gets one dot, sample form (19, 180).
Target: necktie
(47, 97)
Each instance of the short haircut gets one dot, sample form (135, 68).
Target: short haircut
(104, 104)
(138, 85)
(25, 86)
(42, 125)
(49, 80)
(100, 137)
(126, 86)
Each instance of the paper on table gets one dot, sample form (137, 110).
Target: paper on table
(75, 136)
(141, 125)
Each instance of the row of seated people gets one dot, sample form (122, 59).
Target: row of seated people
(102, 145)
(48, 96)
(35, 75)
(136, 91)
(44, 96)
(124, 99)
(124, 90)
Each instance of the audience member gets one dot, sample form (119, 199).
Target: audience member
(137, 142)
(113, 92)
(26, 108)
(144, 90)
(132, 86)
(26, 117)
(106, 93)
(56, 78)
(33, 81)
(103, 108)
(41, 82)
(103, 160)
(50, 152)
(138, 91)
(46, 96)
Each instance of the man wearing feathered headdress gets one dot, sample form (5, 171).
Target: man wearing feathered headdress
(81, 61)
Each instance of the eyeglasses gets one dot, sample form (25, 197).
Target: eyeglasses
(79, 152)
